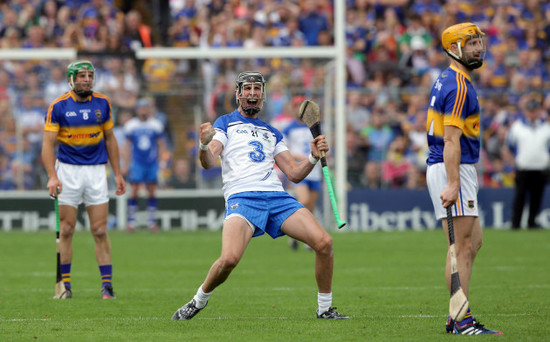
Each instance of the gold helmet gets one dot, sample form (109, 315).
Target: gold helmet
(459, 34)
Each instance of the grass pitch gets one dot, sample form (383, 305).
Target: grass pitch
(391, 284)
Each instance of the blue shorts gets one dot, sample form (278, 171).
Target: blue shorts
(143, 173)
(312, 185)
(266, 210)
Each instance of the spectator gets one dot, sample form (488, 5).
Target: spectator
(278, 96)
(31, 121)
(357, 114)
(35, 38)
(10, 23)
(55, 84)
(529, 137)
(137, 34)
(396, 167)
(290, 35)
(379, 137)
(312, 22)
(182, 176)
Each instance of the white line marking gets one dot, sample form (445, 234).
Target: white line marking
(229, 318)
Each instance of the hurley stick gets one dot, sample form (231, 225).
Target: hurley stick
(458, 305)
(310, 115)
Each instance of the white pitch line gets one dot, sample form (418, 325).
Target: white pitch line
(229, 318)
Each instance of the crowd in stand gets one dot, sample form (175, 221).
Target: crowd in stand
(393, 56)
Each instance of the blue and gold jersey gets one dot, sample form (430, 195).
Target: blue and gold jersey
(80, 127)
(453, 102)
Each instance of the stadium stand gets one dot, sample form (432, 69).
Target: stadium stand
(393, 56)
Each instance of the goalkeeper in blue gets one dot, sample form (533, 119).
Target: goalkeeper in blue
(255, 201)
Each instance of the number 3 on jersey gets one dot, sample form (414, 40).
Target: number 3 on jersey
(257, 155)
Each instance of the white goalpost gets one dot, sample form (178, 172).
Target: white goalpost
(334, 124)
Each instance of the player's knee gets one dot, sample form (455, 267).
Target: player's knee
(99, 231)
(229, 262)
(66, 230)
(476, 246)
(324, 245)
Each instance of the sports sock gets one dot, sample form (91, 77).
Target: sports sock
(132, 210)
(66, 275)
(106, 275)
(468, 319)
(152, 209)
(201, 298)
(324, 300)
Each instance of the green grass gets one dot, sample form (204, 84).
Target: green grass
(391, 284)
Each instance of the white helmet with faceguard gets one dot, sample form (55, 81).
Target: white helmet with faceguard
(253, 101)
(77, 67)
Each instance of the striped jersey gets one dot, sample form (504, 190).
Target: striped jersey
(298, 138)
(453, 102)
(80, 127)
(248, 156)
(144, 136)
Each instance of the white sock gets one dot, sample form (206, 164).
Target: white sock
(201, 298)
(324, 300)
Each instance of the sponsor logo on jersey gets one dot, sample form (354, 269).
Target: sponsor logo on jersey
(84, 135)
(234, 206)
(69, 114)
(242, 131)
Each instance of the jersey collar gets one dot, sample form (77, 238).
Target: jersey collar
(461, 72)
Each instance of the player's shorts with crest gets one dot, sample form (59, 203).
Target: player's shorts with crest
(466, 204)
(143, 173)
(265, 211)
(82, 184)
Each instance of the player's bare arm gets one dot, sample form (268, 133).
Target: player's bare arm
(163, 150)
(209, 150)
(114, 159)
(297, 171)
(451, 157)
(48, 158)
(126, 153)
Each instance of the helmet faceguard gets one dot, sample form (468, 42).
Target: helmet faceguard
(254, 99)
(469, 40)
(85, 68)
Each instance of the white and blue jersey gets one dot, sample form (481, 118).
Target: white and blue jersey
(248, 156)
(298, 138)
(143, 137)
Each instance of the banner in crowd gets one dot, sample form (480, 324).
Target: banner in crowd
(368, 210)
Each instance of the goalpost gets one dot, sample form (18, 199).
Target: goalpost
(334, 124)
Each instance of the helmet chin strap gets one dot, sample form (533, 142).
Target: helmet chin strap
(83, 93)
(472, 64)
(251, 110)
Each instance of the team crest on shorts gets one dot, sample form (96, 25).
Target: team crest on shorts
(98, 115)
(234, 206)
(471, 204)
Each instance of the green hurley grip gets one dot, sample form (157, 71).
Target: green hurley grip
(326, 173)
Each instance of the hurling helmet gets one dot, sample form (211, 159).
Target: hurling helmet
(459, 34)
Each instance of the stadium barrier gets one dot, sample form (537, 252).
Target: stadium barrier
(186, 210)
